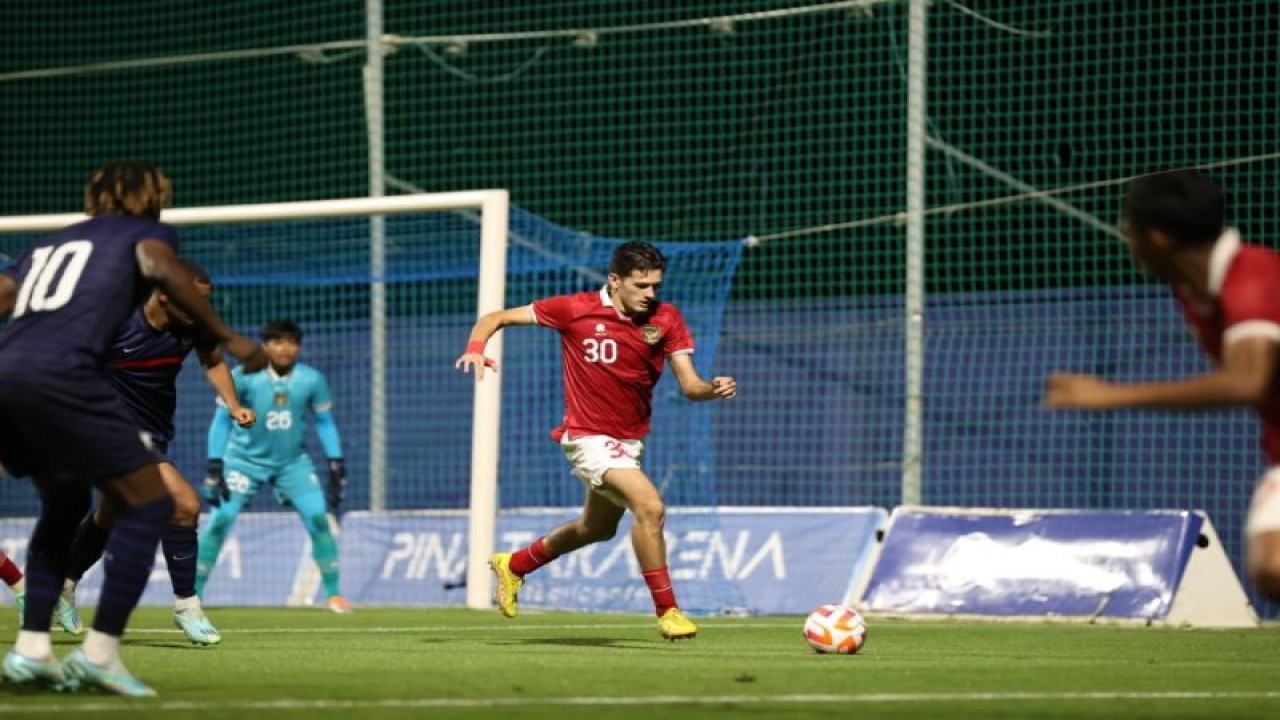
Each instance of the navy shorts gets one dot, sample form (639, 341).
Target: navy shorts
(69, 430)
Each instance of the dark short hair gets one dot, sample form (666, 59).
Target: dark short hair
(281, 329)
(636, 255)
(1184, 204)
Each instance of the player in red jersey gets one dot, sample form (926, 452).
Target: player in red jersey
(12, 576)
(614, 345)
(1229, 292)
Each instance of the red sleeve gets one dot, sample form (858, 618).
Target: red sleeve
(1252, 292)
(677, 338)
(554, 312)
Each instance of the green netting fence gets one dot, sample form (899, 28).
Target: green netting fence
(781, 121)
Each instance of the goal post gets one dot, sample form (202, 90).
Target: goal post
(493, 207)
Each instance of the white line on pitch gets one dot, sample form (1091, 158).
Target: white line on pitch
(458, 628)
(588, 701)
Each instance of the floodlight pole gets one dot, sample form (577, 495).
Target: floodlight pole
(913, 425)
(375, 126)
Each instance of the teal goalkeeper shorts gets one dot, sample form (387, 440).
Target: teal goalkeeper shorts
(295, 479)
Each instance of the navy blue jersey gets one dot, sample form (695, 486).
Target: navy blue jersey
(60, 417)
(75, 288)
(143, 364)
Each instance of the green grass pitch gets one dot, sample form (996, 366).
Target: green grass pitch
(452, 663)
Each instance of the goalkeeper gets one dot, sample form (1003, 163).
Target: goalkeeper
(241, 460)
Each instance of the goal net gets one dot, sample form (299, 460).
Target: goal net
(386, 291)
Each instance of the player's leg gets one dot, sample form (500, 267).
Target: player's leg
(612, 468)
(1262, 528)
(17, 456)
(650, 545)
(86, 550)
(243, 486)
(1264, 563)
(143, 506)
(589, 457)
(179, 544)
(62, 505)
(648, 513)
(598, 523)
(648, 522)
(298, 485)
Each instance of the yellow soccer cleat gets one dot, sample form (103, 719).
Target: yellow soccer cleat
(508, 584)
(674, 625)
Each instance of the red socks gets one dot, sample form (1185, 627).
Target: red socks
(9, 572)
(530, 558)
(659, 582)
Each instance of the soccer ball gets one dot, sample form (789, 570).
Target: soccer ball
(836, 629)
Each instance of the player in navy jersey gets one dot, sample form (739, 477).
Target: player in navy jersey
(143, 363)
(614, 344)
(1229, 292)
(63, 424)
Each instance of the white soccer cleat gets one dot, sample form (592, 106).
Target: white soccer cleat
(196, 626)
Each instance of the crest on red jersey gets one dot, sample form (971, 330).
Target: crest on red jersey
(652, 334)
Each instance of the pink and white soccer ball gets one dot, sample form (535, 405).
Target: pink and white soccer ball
(835, 629)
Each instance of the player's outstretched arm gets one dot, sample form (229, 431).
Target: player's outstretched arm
(8, 294)
(1242, 378)
(721, 387)
(485, 327)
(219, 376)
(159, 263)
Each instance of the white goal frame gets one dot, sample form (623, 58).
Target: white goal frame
(494, 209)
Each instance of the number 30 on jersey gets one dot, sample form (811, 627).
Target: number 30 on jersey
(600, 351)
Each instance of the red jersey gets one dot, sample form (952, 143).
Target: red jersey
(1245, 282)
(611, 362)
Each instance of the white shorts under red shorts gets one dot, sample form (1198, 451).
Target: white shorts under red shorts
(1264, 511)
(590, 456)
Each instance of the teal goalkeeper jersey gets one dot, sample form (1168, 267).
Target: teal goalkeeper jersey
(281, 403)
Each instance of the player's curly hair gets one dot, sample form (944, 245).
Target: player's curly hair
(128, 188)
(636, 255)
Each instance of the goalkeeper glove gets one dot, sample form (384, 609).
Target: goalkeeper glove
(337, 486)
(215, 489)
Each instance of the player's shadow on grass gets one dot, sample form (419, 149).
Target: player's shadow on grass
(164, 644)
(575, 642)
